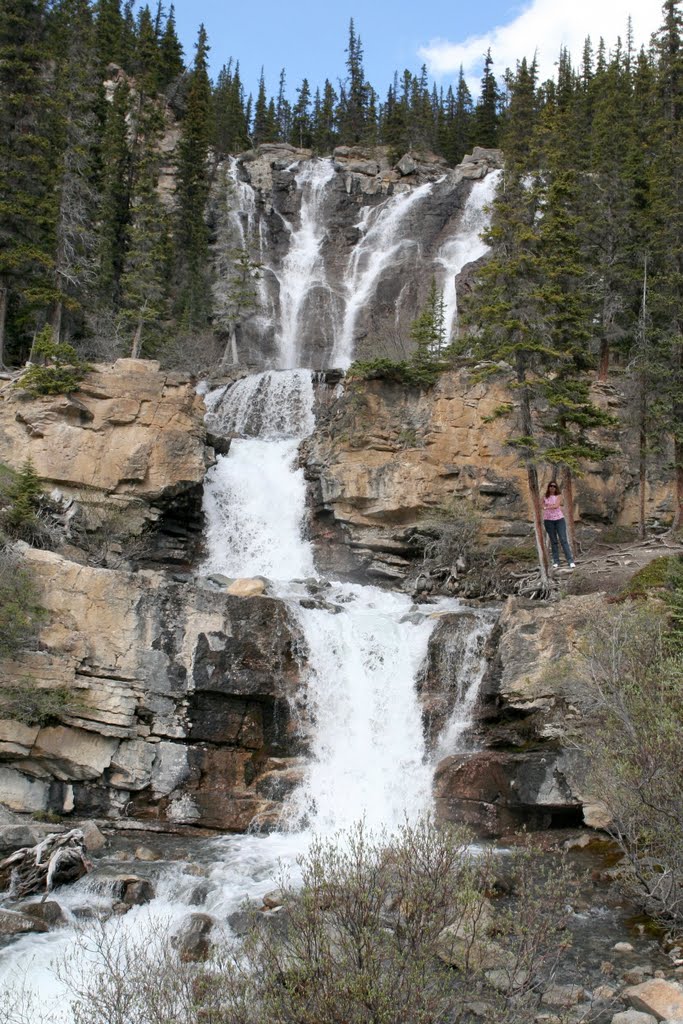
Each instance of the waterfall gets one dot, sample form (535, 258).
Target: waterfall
(302, 269)
(466, 245)
(382, 245)
(468, 667)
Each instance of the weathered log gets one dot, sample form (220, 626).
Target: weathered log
(60, 858)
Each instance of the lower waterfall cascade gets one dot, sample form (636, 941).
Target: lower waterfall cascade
(365, 648)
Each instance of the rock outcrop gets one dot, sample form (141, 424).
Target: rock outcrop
(128, 449)
(385, 458)
(179, 699)
(527, 747)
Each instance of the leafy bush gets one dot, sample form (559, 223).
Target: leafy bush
(20, 612)
(382, 930)
(23, 516)
(62, 370)
(398, 371)
(633, 665)
(25, 702)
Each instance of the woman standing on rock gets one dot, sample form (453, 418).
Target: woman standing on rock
(555, 525)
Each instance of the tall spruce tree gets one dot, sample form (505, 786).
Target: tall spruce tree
(28, 202)
(191, 236)
(353, 104)
(486, 112)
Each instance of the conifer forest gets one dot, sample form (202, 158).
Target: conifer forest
(587, 229)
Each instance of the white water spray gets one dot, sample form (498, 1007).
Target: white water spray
(466, 245)
(302, 269)
(382, 245)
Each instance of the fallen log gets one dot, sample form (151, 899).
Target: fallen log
(59, 859)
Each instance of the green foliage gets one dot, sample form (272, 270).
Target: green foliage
(26, 702)
(20, 612)
(19, 517)
(396, 371)
(62, 370)
(633, 668)
(504, 409)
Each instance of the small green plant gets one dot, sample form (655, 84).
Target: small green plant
(657, 575)
(501, 410)
(50, 817)
(398, 371)
(61, 372)
(24, 494)
(20, 612)
(25, 702)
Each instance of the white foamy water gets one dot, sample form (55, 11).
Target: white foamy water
(383, 244)
(302, 269)
(471, 665)
(466, 245)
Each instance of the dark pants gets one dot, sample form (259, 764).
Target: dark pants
(557, 530)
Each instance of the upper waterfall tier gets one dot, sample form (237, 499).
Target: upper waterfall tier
(271, 405)
(346, 250)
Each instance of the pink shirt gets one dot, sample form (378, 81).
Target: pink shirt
(551, 508)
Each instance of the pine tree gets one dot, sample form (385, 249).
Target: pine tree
(263, 117)
(76, 96)
(283, 111)
(143, 281)
(353, 107)
(485, 127)
(301, 134)
(171, 63)
(28, 206)
(324, 128)
(229, 117)
(146, 59)
(191, 237)
(115, 195)
(110, 31)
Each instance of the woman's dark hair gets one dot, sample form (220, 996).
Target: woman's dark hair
(553, 483)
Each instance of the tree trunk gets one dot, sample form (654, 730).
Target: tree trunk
(568, 486)
(532, 474)
(3, 320)
(57, 313)
(539, 529)
(603, 366)
(137, 341)
(678, 497)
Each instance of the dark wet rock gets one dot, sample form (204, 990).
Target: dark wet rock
(193, 938)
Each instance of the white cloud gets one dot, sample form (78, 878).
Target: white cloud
(544, 26)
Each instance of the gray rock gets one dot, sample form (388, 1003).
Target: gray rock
(406, 165)
(145, 853)
(48, 911)
(14, 837)
(633, 1017)
(92, 837)
(192, 940)
(563, 996)
(14, 923)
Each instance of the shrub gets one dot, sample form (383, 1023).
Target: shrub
(25, 702)
(25, 513)
(406, 372)
(633, 668)
(62, 370)
(399, 930)
(20, 612)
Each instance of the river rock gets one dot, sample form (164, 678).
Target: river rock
(92, 837)
(192, 940)
(48, 911)
(247, 588)
(146, 854)
(14, 837)
(563, 996)
(14, 923)
(633, 1017)
(662, 999)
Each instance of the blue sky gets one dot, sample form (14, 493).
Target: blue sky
(308, 37)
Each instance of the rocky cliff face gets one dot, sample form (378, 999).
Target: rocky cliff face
(181, 699)
(347, 246)
(385, 458)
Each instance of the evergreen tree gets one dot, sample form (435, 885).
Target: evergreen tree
(301, 133)
(324, 128)
(76, 92)
(115, 193)
(230, 117)
(191, 237)
(264, 116)
(145, 65)
(283, 111)
(28, 207)
(353, 106)
(170, 61)
(143, 281)
(110, 33)
(485, 126)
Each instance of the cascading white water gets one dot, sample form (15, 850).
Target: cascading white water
(255, 497)
(466, 245)
(302, 269)
(471, 668)
(382, 245)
